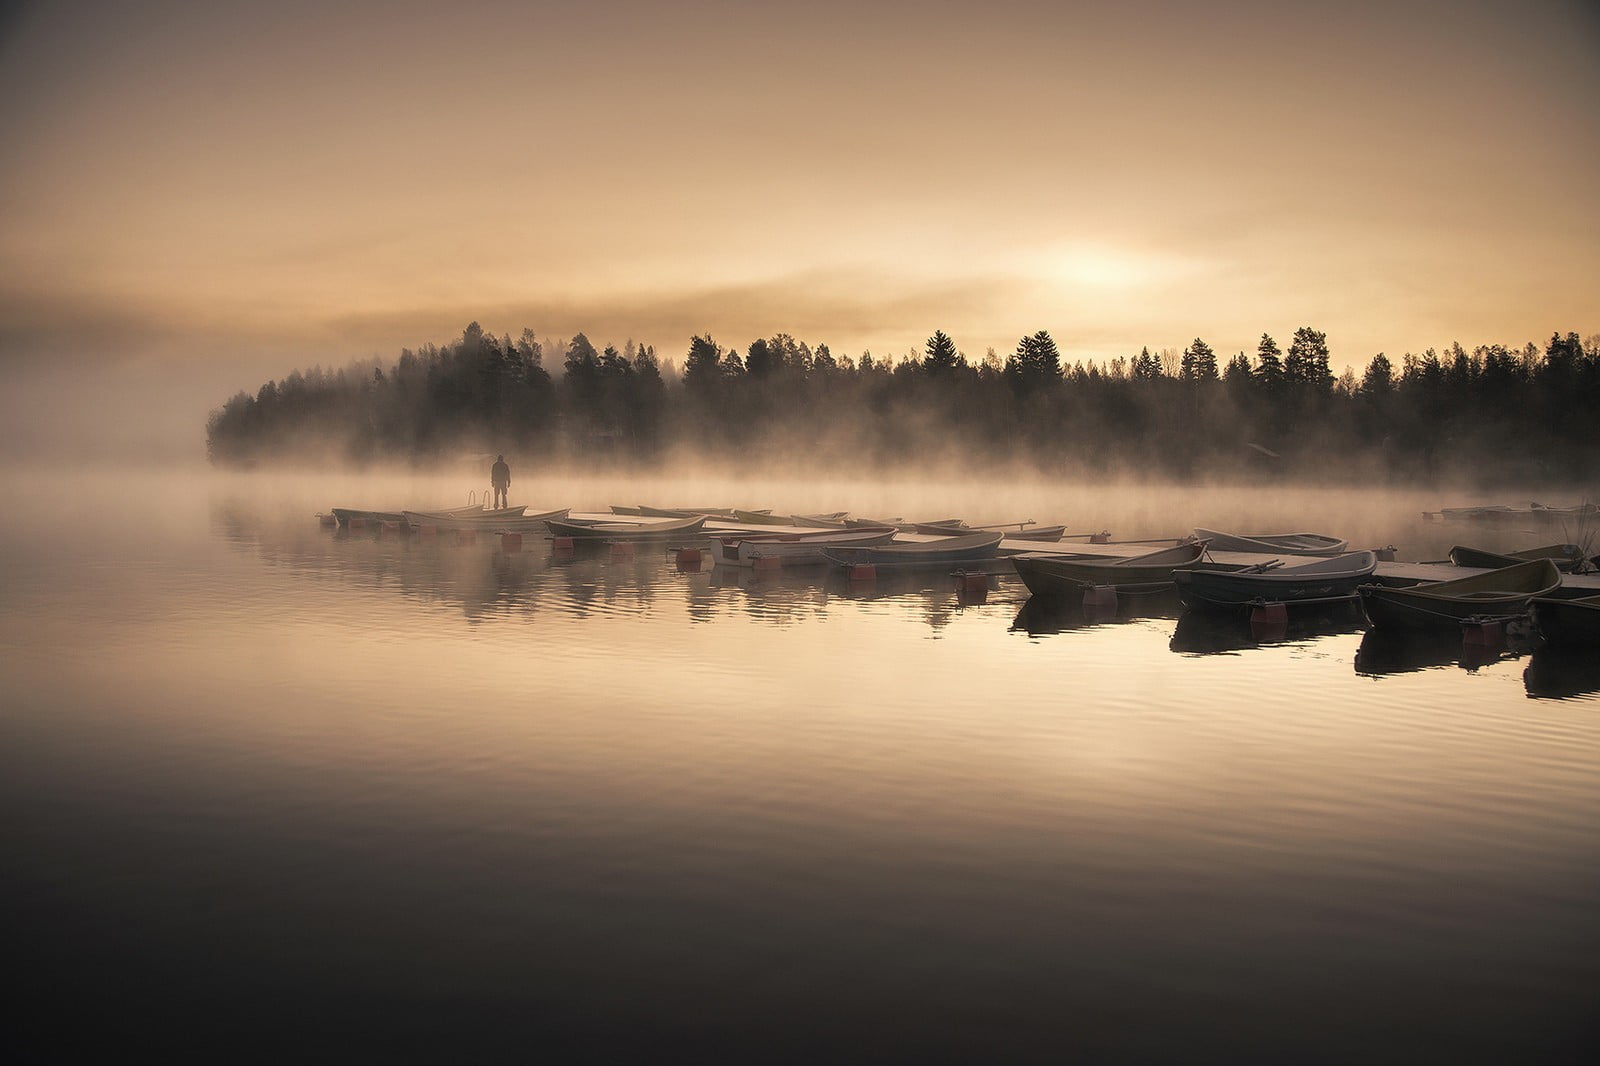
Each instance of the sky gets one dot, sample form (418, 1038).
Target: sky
(236, 190)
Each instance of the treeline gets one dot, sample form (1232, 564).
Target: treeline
(1493, 414)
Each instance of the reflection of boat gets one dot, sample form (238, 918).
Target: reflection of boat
(1210, 632)
(1059, 576)
(1042, 616)
(1313, 582)
(1273, 543)
(1561, 673)
(794, 549)
(1568, 623)
(1385, 651)
(1445, 604)
(666, 529)
(973, 547)
(1565, 556)
(1500, 514)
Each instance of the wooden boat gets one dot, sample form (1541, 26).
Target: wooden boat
(1567, 623)
(820, 521)
(1565, 556)
(760, 518)
(1043, 534)
(973, 547)
(794, 549)
(343, 515)
(490, 522)
(1273, 543)
(623, 509)
(1323, 581)
(1061, 577)
(679, 512)
(1444, 604)
(627, 531)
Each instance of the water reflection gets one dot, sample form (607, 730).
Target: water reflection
(1562, 673)
(1046, 616)
(484, 580)
(1385, 651)
(1212, 633)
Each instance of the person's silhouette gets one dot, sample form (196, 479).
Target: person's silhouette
(500, 478)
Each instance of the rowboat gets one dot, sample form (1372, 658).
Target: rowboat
(1565, 556)
(1567, 623)
(759, 518)
(1323, 581)
(794, 549)
(818, 521)
(970, 548)
(678, 512)
(1273, 543)
(1012, 530)
(343, 515)
(1444, 604)
(490, 522)
(1059, 577)
(631, 531)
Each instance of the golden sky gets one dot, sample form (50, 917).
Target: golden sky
(282, 181)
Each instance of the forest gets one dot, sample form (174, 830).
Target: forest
(1492, 415)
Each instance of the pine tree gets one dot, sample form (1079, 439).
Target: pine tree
(1269, 364)
(941, 357)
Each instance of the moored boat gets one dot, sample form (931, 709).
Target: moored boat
(1567, 623)
(973, 547)
(1060, 577)
(491, 522)
(1273, 543)
(1445, 604)
(794, 549)
(1323, 581)
(343, 515)
(627, 531)
(1565, 556)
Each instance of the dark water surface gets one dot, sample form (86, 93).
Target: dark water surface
(275, 793)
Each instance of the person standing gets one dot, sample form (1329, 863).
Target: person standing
(500, 479)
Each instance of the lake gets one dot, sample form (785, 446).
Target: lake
(276, 792)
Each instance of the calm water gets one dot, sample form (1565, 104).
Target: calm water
(272, 792)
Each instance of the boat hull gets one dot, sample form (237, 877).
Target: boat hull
(1315, 583)
(1446, 604)
(1567, 623)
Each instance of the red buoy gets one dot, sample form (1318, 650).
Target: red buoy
(689, 560)
(357, 522)
(863, 572)
(561, 544)
(1269, 614)
(971, 583)
(511, 542)
(622, 549)
(1484, 633)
